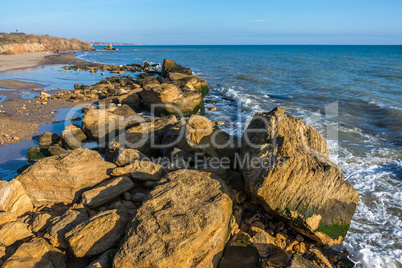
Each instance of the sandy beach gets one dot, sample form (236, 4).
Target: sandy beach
(20, 118)
(32, 60)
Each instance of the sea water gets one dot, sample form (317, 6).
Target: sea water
(351, 94)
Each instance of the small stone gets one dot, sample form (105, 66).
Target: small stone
(127, 196)
(115, 205)
(149, 184)
(138, 197)
(16, 139)
(44, 102)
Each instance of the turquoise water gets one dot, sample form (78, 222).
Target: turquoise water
(351, 94)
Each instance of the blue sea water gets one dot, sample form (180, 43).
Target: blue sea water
(351, 94)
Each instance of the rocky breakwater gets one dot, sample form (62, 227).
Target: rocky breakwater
(177, 191)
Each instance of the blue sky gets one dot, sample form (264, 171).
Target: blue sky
(170, 22)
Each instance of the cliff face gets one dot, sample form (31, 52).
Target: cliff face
(17, 44)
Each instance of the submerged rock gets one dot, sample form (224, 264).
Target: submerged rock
(169, 66)
(183, 223)
(62, 178)
(288, 170)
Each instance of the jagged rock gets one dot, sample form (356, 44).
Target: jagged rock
(241, 254)
(12, 232)
(298, 261)
(279, 259)
(57, 150)
(169, 66)
(103, 124)
(131, 99)
(109, 225)
(141, 170)
(62, 178)
(36, 153)
(183, 223)
(288, 170)
(73, 137)
(48, 139)
(36, 253)
(41, 222)
(7, 217)
(13, 198)
(104, 261)
(128, 156)
(61, 225)
(112, 151)
(189, 82)
(146, 136)
(166, 99)
(200, 135)
(106, 191)
(264, 242)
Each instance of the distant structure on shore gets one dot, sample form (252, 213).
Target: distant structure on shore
(92, 43)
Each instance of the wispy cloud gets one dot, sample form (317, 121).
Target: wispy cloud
(258, 21)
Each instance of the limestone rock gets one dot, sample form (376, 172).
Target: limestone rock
(60, 225)
(7, 217)
(13, 198)
(104, 261)
(166, 99)
(36, 253)
(131, 99)
(62, 178)
(146, 136)
(57, 150)
(183, 223)
(141, 170)
(102, 124)
(41, 222)
(12, 232)
(293, 176)
(73, 137)
(109, 225)
(264, 242)
(241, 254)
(200, 135)
(169, 66)
(298, 261)
(106, 191)
(48, 139)
(128, 156)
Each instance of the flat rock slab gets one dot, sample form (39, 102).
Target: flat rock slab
(183, 223)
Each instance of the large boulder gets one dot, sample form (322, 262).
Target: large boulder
(169, 66)
(166, 99)
(48, 139)
(189, 82)
(200, 135)
(109, 225)
(106, 191)
(62, 178)
(286, 167)
(36, 253)
(61, 225)
(183, 223)
(13, 198)
(103, 124)
(73, 137)
(12, 232)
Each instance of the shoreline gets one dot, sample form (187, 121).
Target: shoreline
(21, 118)
(18, 62)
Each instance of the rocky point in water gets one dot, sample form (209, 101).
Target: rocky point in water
(136, 208)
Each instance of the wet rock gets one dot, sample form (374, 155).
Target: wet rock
(169, 66)
(57, 150)
(36, 153)
(141, 170)
(106, 191)
(62, 178)
(13, 198)
(61, 225)
(291, 158)
(12, 232)
(131, 99)
(183, 223)
(48, 139)
(73, 137)
(241, 254)
(36, 253)
(109, 225)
